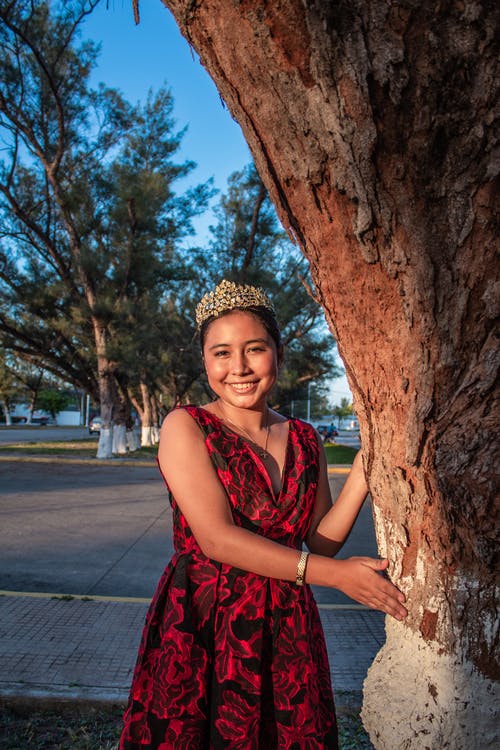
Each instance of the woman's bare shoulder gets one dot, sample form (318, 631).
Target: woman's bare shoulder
(180, 423)
(183, 442)
(180, 439)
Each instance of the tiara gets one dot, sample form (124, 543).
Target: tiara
(228, 296)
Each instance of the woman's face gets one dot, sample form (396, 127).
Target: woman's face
(240, 359)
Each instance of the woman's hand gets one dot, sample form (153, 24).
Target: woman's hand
(359, 578)
(357, 464)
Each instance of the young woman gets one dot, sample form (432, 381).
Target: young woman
(233, 654)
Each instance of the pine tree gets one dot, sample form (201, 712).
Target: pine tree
(91, 221)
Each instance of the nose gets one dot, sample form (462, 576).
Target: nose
(239, 364)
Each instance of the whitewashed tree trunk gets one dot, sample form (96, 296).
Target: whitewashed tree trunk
(106, 391)
(438, 684)
(147, 436)
(105, 445)
(372, 124)
(132, 443)
(119, 439)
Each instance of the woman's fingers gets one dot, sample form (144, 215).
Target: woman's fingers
(391, 602)
(362, 581)
(387, 597)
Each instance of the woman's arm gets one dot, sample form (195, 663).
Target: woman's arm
(331, 525)
(186, 466)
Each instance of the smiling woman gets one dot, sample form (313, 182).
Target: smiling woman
(233, 654)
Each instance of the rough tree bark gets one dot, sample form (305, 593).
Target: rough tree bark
(107, 387)
(372, 124)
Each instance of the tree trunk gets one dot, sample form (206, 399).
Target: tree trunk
(371, 124)
(31, 408)
(121, 412)
(148, 437)
(119, 439)
(132, 444)
(155, 413)
(106, 392)
(6, 411)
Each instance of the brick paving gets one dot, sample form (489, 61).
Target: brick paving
(82, 649)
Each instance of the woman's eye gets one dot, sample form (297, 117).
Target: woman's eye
(257, 349)
(220, 353)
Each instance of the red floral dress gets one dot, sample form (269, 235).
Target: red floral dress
(230, 659)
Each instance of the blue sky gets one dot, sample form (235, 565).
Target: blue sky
(137, 58)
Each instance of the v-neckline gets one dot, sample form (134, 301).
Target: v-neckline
(255, 456)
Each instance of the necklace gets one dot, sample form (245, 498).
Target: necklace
(261, 451)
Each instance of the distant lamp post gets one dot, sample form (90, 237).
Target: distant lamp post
(309, 401)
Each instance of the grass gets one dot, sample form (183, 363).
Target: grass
(340, 454)
(100, 730)
(50, 730)
(352, 735)
(75, 449)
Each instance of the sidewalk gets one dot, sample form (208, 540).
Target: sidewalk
(102, 531)
(57, 650)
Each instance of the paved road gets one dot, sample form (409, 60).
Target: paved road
(348, 438)
(20, 434)
(102, 530)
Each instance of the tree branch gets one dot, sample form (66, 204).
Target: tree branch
(261, 195)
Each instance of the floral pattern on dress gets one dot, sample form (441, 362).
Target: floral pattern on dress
(229, 659)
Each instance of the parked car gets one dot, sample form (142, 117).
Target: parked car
(42, 421)
(95, 425)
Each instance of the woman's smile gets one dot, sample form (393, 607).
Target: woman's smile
(243, 387)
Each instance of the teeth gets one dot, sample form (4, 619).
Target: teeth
(242, 386)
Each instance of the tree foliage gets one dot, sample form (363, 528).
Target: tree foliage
(52, 401)
(342, 410)
(10, 388)
(92, 226)
(97, 277)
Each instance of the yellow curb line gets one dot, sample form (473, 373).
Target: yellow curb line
(137, 599)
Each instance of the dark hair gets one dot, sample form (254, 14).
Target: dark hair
(265, 316)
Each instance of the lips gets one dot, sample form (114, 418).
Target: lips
(242, 387)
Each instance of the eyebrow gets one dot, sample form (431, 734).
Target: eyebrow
(251, 341)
